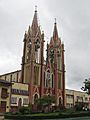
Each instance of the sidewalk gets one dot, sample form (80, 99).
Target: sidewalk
(1, 116)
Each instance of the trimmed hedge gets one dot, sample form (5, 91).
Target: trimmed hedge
(46, 116)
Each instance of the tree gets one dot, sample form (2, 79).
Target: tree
(45, 101)
(79, 106)
(86, 86)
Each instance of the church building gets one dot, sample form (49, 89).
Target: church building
(45, 77)
(38, 77)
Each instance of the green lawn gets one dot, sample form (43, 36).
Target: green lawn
(78, 118)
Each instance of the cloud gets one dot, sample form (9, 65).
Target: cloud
(73, 20)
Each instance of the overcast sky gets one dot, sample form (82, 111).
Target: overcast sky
(73, 20)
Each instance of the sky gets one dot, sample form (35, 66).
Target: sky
(73, 22)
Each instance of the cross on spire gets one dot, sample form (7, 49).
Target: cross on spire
(35, 8)
(55, 20)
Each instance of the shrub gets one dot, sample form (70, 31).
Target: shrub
(79, 106)
(24, 110)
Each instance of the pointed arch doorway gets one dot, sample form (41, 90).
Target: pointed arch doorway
(35, 106)
(19, 102)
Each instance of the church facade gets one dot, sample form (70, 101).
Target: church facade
(45, 77)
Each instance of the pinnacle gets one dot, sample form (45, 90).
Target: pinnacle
(55, 32)
(34, 25)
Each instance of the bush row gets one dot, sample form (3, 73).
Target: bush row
(46, 116)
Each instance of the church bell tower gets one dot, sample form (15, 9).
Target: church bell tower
(57, 67)
(32, 60)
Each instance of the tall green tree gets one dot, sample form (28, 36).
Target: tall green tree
(86, 86)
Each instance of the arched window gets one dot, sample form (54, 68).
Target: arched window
(59, 59)
(29, 47)
(48, 78)
(36, 76)
(19, 102)
(37, 51)
(60, 101)
(51, 55)
(35, 98)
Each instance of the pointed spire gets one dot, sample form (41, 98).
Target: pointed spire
(35, 22)
(25, 36)
(29, 30)
(51, 41)
(55, 32)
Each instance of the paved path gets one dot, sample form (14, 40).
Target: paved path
(1, 117)
(77, 118)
